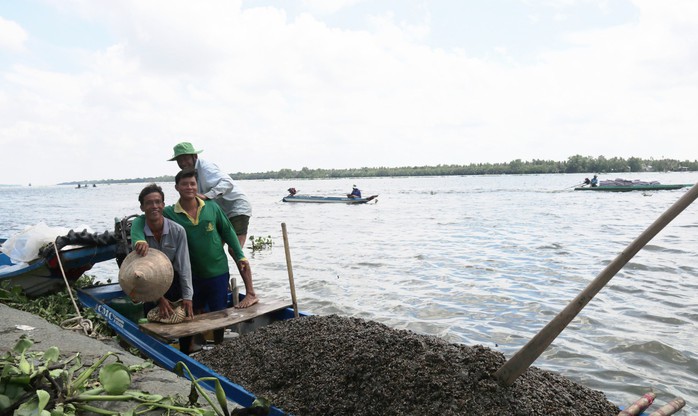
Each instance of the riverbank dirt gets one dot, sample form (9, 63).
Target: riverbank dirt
(331, 365)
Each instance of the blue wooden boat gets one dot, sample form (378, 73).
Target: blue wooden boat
(110, 302)
(43, 275)
(328, 199)
(156, 340)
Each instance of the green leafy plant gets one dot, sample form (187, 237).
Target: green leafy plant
(261, 406)
(57, 307)
(41, 384)
(260, 243)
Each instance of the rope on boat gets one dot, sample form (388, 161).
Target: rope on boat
(78, 322)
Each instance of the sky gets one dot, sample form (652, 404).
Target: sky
(102, 89)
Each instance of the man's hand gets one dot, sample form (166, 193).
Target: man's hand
(188, 308)
(165, 308)
(142, 248)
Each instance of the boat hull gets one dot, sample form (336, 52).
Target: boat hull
(327, 199)
(43, 276)
(166, 356)
(632, 188)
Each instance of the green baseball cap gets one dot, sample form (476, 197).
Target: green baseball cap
(184, 148)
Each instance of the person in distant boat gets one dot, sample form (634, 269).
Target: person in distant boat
(355, 192)
(292, 191)
(594, 181)
(217, 186)
(586, 181)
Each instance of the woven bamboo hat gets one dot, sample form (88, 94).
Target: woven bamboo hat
(146, 278)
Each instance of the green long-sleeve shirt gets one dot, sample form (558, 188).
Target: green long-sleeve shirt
(205, 236)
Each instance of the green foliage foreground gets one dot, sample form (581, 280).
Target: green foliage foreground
(42, 384)
(45, 384)
(56, 308)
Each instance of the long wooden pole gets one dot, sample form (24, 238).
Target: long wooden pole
(289, 267)
(517, 364)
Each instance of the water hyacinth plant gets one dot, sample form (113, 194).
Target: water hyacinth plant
(56, 308)
(44, 384)
(260, 243)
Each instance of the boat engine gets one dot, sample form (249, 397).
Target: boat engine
(122, 231)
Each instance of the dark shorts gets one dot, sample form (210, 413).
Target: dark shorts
(240, 224)
(211, 293)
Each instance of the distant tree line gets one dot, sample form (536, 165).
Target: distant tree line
(164, 178)
(574, 164)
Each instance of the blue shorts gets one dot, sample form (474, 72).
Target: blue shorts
(211, 293)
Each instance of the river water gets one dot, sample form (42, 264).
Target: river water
(472, 259)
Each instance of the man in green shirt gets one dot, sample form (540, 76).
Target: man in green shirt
(207, 228)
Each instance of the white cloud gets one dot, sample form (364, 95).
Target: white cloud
(260, 90)
(329, 6)
(12, 36)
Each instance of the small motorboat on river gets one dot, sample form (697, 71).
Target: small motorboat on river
(315, 199)
(624, 185)
(328, 199)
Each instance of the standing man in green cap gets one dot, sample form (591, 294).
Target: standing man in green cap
(217, 186)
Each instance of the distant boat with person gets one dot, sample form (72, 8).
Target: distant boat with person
(293, 196)
(624, 185)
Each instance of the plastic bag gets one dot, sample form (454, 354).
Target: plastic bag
(24, 246)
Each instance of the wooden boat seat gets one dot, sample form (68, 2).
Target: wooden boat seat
(214, 320)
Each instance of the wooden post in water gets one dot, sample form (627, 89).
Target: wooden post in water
(290, 270)
(517, 364)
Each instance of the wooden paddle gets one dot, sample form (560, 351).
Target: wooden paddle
(517, 364)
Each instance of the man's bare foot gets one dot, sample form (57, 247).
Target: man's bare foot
(247, 302)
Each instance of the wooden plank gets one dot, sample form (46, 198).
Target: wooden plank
(214, 320)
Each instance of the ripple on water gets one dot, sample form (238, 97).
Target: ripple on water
(480, 260)
(657, 349)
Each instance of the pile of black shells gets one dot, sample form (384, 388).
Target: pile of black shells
(332, 365)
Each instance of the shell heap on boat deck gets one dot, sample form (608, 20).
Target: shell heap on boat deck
(331, 365)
